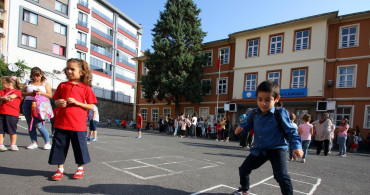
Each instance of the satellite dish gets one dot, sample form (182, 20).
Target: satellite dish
(13, 67)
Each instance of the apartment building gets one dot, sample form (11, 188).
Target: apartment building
(292, 53)
(45, 33)
(221, 82)
(347, 74)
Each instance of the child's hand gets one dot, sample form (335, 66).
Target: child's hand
(238, 130)
(297, 153)
(61, 102)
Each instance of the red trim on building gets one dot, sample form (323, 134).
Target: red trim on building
(83, 8)
(101, 74)
(127, 35)
(79, 27)
(82, 48)
(123, 81)
(125, 50)
(99, 55)
(102, 19)
(102, 38)
(125, 66)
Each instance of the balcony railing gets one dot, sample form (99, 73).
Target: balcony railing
(100, 69)
(125, 78)
(101, 51)
(120, 43)
(125, 61)
(82, 23)
(126, 30)
(80, 42)
(296, 85)
(83, 3)
(102, 15)
(103, 34)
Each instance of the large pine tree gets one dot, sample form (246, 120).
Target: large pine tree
(175, 65)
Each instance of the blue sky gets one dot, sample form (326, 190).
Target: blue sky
(223, 17)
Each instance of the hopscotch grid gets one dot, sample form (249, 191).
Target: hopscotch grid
(302, 182)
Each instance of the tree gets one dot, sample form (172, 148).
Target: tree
(175, 65)
(20, 73)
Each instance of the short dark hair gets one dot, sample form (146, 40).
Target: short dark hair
(279, 104)
(270, 87)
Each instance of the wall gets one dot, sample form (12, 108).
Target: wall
(114, 110)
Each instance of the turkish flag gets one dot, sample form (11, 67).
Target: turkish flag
(219, 61)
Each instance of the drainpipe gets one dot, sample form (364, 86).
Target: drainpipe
(114, 55)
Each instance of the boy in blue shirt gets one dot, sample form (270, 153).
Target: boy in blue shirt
(269, 141)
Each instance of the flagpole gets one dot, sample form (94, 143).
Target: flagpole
(218, 84)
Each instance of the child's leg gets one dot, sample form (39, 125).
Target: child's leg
(2, 135)
(79, 145)
(277, 158)
(250, 163)
(13, 139)
(59, 148)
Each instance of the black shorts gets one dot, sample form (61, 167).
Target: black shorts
(8, 124)
(93, 125)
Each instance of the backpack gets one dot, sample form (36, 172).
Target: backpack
(278, 119)
(41, 109)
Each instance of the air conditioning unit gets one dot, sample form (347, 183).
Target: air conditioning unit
(322, 106)
(233, 107)
(227, 107)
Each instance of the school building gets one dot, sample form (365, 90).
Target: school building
(46, 33)
(304, 56)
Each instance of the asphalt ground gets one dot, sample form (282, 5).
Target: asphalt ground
(162, 164)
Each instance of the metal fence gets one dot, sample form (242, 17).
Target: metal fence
(112, 95)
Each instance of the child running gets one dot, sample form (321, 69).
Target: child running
(10, 100)
(269, 142)
(73, 98)
(305, 130)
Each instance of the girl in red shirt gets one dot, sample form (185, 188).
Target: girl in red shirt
(73, 98)
(9, 110)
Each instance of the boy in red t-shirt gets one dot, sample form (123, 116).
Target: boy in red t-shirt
(139, 124)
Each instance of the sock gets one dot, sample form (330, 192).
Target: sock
(61, 169)
(80, 168)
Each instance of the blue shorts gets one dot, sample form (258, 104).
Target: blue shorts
(8, 124)
(93, 125)
(138, 129)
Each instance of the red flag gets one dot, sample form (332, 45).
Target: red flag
(219, 61)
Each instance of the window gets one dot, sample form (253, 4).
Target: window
(302, 40)
(144, 113)
(36, 1)
(221, 112)
(343, 112)
(61, 7)
(253, 48)
(298, 78)
(142, 93)
(224, 55)
(346, 76)
(208, 54)
(274, 76)
(58, 49)
(29, 41)
(206, 82)
(367, 117)
(204, 112)
(82, 19)
(250, 82)
(348, 36)
(222, 86)
(155, 112)
(276, 44)
(59, 28)
(188, 111)
(81, 55)
(368, 75)
(81, 39)
(30, 17)
(145, 69)
(166, 111)
(84, 3)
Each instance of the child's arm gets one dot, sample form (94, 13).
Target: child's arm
(299, 130)
(290, 130)
(311, 130)
(82, 105)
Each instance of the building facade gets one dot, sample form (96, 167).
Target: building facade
(46, 33)
(347, 75)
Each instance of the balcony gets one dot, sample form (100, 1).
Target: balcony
(102, 15)
(125, 78)
(80, 42)
(100, 69)
(125, 61)
(83, 3)
(82, 23)
(103, 34)
(101, 51)
(127, 31)
(120, 43)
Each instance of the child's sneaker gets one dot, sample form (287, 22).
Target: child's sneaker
(32, 146)
(87, 138)
(14, 148)
(79, 174)
(57, 176)
(303, 161)
(240, 191)
(47, 147)
(3, 148)
(94, 139)
(138, 137)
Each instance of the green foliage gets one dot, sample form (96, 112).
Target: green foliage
(20, 73)
(175, 65)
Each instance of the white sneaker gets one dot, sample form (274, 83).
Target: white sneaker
(47, 147)
(32, 146)
(3, 148)
(216, 140)
(14, 148)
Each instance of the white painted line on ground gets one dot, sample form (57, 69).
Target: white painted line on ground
(315, 186)
(262, 181)
(302, 182)
(22, 127)
(212, 188)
